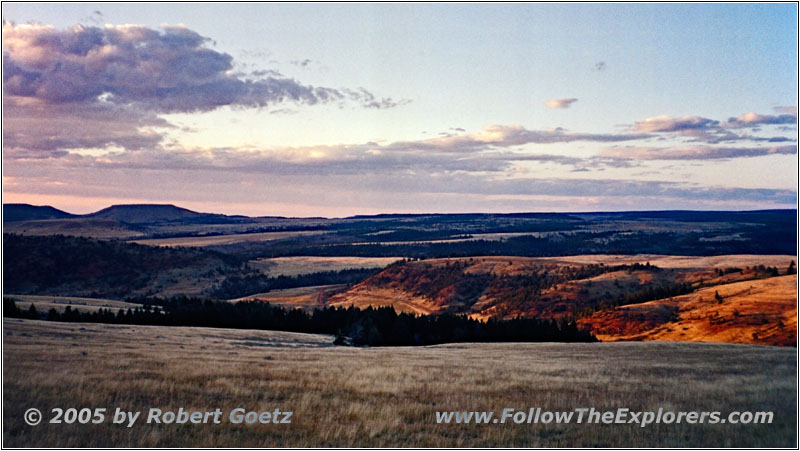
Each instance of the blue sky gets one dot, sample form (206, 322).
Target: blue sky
(339, 109)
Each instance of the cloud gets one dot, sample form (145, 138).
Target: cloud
(754, 119)
(500, 136)
(35, 129)
(106, 87)
(560, 103)
(166, 71)
(709, 131)
(693, 152)
(410, 190)
(790, 110)
(673, 124)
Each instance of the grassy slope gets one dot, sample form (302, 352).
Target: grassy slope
(381, 396)
(756, 311)
(400, 287)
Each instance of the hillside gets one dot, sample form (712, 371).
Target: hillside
(72, 266)
(145, 213)
(618, 297)
(27, 212)
(86, 227)
(753, 312)
(435, 235)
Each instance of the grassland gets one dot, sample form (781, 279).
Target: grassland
(679, 261)
(45, 303)
(306, 298)
(217, 240)
(293, 266)
(96, 228)
(381, 396)
(756, 311)
(484, 287)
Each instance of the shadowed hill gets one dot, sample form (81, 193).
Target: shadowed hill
(75, 266)
(27, 212)
(145, 213)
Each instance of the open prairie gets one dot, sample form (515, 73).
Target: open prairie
(96, 228)
(217, 240)
(293, 266)
(345, 396)
(45, 303)
(679, 261)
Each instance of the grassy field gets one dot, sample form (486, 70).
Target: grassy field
(45, 303)
(306, 298)
(293, 266)
(216, 240)
(380, 396)
(679, 261)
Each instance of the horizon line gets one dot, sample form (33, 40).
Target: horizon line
(403, 214)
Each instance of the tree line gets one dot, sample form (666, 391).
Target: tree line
(237, 286)
(381, 326)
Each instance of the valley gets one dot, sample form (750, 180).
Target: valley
(621, 276)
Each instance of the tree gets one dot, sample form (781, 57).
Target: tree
(718, 297)
(791, 270)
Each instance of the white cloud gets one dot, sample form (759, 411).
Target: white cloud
(560, 103)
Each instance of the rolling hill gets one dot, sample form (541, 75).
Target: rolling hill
(752, 312)
(27, 212)
(617, 297)
(146, 213)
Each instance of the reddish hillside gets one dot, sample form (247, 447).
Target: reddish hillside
(756, 312)
(505, 287)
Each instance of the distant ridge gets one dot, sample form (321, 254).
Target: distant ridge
(28, 212)
(150, 213)
(146, 213)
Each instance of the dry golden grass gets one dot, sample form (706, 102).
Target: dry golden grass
(363, 296)
(679, 261)
(215, 240)
(565, 296)
(307, 298)
(756, 311)
(96, 228)
(293, 266)
(381, 396)
(45, 303)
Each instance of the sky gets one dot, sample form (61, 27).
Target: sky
(343, 109)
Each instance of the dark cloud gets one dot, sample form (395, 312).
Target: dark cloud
(754, 119)
(709, 131)
(89, 87)
(52, 129)
(165, 71)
